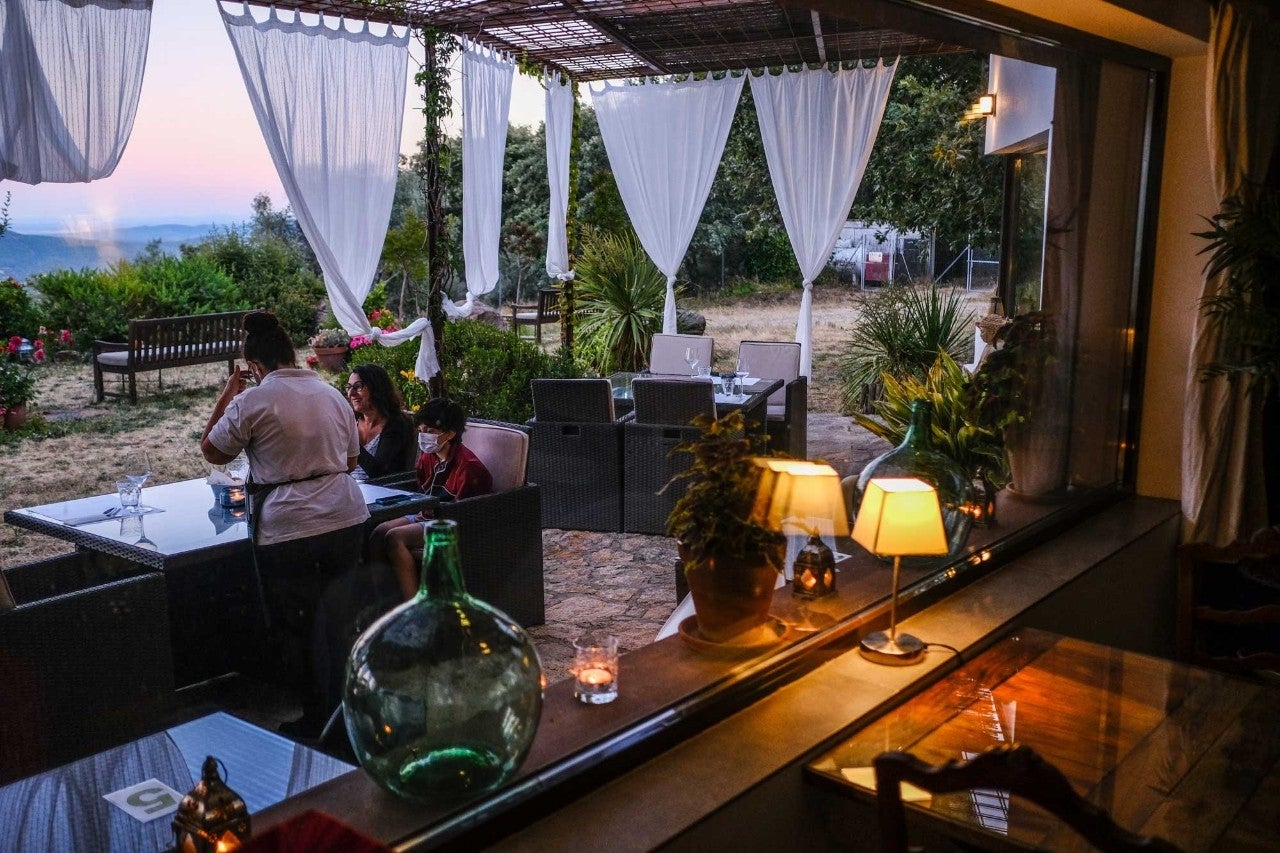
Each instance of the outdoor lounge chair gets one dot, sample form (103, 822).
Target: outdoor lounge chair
(788, 407)
(82, 668)
(500, 534)
(664, 410)
(666, 353)
(575, 454)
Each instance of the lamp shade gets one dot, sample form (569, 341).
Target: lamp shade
(900, 517)
(804, 491)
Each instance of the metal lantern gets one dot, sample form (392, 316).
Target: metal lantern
(211, 818)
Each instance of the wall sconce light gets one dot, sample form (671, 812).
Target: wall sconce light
(899, 517)
(984, 107)
(806, 495)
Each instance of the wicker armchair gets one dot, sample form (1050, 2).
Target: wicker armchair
(82, 670)
(664, 409)
(788, 407)
(575, 454)
(500, 534)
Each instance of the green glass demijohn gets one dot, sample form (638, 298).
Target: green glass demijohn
(443, 694)
(915, 457)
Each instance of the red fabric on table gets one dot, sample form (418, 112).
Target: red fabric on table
(312, 832)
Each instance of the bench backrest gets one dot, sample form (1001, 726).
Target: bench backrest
(194, 339)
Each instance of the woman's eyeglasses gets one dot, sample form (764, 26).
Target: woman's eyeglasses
(354, 387)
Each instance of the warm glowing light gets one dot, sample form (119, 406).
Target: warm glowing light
(595, 676)
(900, 517)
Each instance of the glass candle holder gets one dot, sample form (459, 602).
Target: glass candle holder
(595, 669)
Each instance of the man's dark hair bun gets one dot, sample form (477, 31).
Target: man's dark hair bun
(260, 322)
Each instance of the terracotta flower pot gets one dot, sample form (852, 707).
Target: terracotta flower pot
(332, 358)
(731, 598)
(15, 416)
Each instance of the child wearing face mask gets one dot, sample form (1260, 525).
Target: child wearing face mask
(447, 470)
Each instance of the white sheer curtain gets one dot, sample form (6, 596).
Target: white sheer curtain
(559, 128)
(818, 128)
(664, 142)
(330, 102)
(486, 101)
(70, 74)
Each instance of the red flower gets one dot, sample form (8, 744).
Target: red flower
(39, 355)
(312, 361)
(39, 344)
(14, 342)
(65, 336)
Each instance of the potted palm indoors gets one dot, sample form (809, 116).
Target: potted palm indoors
(729, 554)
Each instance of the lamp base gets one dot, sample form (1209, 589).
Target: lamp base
(878, 647)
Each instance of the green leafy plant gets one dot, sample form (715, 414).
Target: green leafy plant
(900, 333)
(715, 517)
(487, 371)
(1008, 387)
(619, 294)
(1244, 245)
(17, 384)
(958, 427)
(18, 315)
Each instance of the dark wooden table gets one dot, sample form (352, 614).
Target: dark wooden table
(1168, 749)
(64, 809)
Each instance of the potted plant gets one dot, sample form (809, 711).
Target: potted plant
(1010, 394)
(959, 430)
(730, 556)
(17, 389)
(332, 346)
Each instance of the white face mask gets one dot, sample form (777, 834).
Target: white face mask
(428, 442)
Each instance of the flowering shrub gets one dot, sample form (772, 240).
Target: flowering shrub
(384, 319)
(330, 338)
(361, 341)
(17, 312)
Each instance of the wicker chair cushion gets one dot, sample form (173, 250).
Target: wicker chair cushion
(503, 450)
(6, 596)
(666, 353)
(573, 401)
(772, 360)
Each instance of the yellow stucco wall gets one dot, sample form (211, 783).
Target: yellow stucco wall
(1186, 195)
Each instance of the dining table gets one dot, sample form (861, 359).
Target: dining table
(1168, 749)
(185, 530)
(753, 388)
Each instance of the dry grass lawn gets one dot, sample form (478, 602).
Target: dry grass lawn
(83, 453)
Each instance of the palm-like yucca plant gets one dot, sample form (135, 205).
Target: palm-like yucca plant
(959, 429)
(900, 333)
(1244, 244)
(620, 294)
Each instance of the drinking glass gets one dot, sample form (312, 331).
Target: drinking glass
(137, 467)
(129, 492)
(691, 359)
(238, 468)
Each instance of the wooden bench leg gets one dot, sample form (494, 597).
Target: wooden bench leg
(99, 392)
(133, 387)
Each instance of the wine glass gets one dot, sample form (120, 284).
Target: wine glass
(238, 468)
(691, 359)
(137, 467)
(742, 371)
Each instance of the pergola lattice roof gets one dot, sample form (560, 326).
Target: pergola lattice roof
(607, 39)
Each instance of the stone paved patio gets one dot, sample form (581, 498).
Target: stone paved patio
(624, 584)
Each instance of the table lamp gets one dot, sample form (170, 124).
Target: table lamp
(801, 494)
(898, 518)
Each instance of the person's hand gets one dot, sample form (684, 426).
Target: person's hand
(236, 382)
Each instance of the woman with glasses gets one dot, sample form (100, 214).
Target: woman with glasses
(386, 435)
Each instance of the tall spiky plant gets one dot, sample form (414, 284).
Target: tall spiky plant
(620, 295)
(1244, 245)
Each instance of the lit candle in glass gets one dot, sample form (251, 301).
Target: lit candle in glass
(595, 669)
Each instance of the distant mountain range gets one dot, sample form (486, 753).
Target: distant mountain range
(25, 255)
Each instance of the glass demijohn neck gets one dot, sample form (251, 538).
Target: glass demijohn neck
(441, 564)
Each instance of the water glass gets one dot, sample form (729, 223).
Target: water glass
(704, 372)
(130, 492)
(595, 669)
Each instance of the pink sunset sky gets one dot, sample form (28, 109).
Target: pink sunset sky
(196, 155)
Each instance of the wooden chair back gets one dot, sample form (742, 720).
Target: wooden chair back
(1016, 769)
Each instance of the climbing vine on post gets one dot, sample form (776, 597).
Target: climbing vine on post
(433, 80)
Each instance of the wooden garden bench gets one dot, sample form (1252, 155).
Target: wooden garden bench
(167, 342)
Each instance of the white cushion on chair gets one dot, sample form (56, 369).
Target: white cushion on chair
(504, 451)
(666, 353)
(772, 360)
